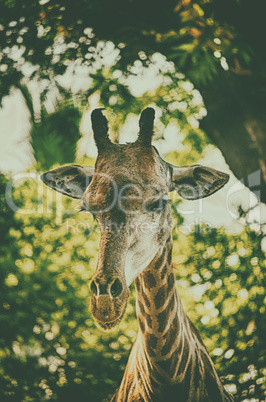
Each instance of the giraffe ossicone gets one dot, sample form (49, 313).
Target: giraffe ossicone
(127, 191)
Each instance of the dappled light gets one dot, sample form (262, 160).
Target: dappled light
(50, 344)
(197, 67)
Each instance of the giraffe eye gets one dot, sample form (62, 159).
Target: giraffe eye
(158, 205)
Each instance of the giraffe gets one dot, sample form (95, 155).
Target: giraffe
(127, 192)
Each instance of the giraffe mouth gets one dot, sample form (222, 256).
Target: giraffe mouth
(109, 324)
(108, 315)
(105, 324)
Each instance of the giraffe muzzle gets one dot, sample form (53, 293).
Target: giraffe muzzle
(108, 301)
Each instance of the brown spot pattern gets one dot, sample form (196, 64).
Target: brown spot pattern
(149, 280)
(137, 283)
(160, 297)
(165, 364)
(171, 337)
(197, 373)
(146, 300)
(141, 308)
(159, 262)
(149, 320)
(164, 270)
(141, 324)
(185, 356)
(164, 315)
(175, 358)
(171, 282)
(151, 342)
(169, 257)
(169, 365)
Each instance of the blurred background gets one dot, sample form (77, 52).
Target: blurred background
(201, 65)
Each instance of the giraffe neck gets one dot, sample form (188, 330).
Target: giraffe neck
(168, 360)
(167, 340)
(158, 304)
(162, 321)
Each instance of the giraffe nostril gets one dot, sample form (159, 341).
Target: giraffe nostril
(116, 288)
(93, 287)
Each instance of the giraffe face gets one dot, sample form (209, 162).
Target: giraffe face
(127, 193)
(129, 199)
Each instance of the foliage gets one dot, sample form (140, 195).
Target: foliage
(50, 346)
(226, 275)
(52, 139)
(217, 44)
(42, 39)
(176, 98)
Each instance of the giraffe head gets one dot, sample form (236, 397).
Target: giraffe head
(127, 192)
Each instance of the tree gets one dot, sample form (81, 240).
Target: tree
(218, 44)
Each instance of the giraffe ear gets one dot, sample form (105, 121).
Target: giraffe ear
(70, 180)
(194, 182)
(146, 126)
